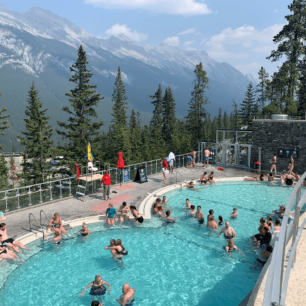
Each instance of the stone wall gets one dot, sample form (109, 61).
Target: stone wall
(271, 135)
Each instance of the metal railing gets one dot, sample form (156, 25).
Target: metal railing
(276, 284)
(269, 117)
(39, 225)
(25, 196)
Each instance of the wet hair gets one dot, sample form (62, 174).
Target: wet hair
(154, 205)
(270, 223)
(2, 224)
(221, 218)
(234, 208)
(119, 242)
(192, 207)
(261, 177)
(133, 207)
(270, 248)
(269, 218)
(270, 174)
(160, 208)
(112, 242)
(164, 196)
(187, 199)
(277, 222)
(199, 206)
(168, 213)
(123, 203)
(211, 211)
(95, 303)
(205, 173)
(262, 220)
(158, 200)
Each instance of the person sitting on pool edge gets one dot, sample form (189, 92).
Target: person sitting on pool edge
(192, 213)
(204, 179)
(230, 247)
(135, 213)
(57, 224)
(228, 231)
(110, 215)
(124, 209)
(234, 214)
(211, 178)
(168, 218)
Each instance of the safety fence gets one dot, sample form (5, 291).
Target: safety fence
(277, 281)
(27, 196)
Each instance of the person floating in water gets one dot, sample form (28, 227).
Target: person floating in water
(127, 297)
(228, 231)
(98, 289)
(84, 231)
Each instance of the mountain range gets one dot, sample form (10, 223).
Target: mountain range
(40, 46)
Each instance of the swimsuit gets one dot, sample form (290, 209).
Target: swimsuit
(129, 302)
(84, 234)
(56, 225)
(226, 236)
(3, 252)
(289, 181)
(211, 178)
(201, 221)
(5, 242)
(140, 219)
(204, 181)
(122, 253)
(97, 289)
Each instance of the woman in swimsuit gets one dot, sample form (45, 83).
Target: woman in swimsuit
(204, 179)
(98, 289)
(111, 246)
(56, 224)
(260, 178)
(138, 218)
(155, 208)
(273, 161)
(117, 249)
(57, 239)
(84, 231)
(211, 178)
(231, 248)
(124, 209)
(220, 221)
(289, 180)
(160, 211)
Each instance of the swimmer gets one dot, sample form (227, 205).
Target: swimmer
(211, 178)
(228, 232)
(6, 239)
(112, 250)
(220, 221)
(119, 249)
(234, 214)
(289, 180)
(204, 179)
(110, 215)
(164, 201)
(98, 289)
(265, 254)
(270, 179)
(57, 224)
(135, 213)
(168, 218)
(192, 213)
(155, 208)
(127, 298)
(212, 223)
(84, 231)
(200, 216)
(190, 185)
(277, 226)
(124, 209)
(160, 211)
(231, 248)
(188, 205)
(57, 239)
(260, 178)
(279, 213)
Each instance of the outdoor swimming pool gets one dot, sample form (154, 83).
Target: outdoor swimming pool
(175, 265)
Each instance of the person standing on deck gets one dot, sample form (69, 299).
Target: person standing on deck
(171, 159)
(165, 169)
(194, 155)
(273, 161)
(206, 157)
(106, 181)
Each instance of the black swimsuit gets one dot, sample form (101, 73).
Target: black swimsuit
(289, 181)
(56, 225)
(3, 252)
(84, 234)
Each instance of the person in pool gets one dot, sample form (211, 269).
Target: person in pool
(260, 178)
(290, 179)
(119, 248)
(112, 250)
(204, 179)
(164, 201)
(234, 214)
(135, 213)
(230, 247)
(265, 254)
(283, 178)
(98, 289)
(57, 239)
(192, 213)
(168, 218)
(124, 209)
(190, 185)
(200, 216)
(279, 213)
(110, 215)
(188, 205)
(6, 239)
(56, 224)
(155, 208)
(264, 238)
(160, 211)
(127, 297)
(220, 221)
(277, 226)
(270, 179)
(211, 178)
(228, 232)
(84, 231)
(212, 223)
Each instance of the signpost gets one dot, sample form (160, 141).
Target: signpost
(141, 175)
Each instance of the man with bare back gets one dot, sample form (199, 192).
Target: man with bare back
(206, 157)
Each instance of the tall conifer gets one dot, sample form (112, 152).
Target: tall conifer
(36, 140)
(79, 129)
(261, 90)
(169, 118)
(248, 107)
(135, 137)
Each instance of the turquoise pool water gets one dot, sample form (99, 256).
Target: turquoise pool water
(180, 264)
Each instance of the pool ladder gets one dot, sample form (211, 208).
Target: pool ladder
(176, 173)
(39, 226)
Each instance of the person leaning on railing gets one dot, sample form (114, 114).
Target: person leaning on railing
(106, 181)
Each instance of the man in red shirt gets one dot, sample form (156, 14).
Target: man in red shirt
(106, 181)
(165, 169)
(257, 163)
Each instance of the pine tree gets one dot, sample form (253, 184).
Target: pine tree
(157, 143)
(4, 123)
(14, 148)
(135, 135)
(145, 148)
(302, 88)
(235, 118)
(3, 173)
(118, 130)
(225, 121)
(12, 171)
(37, 139)
(248, 108)
(169, 119)
(181, 138)
(290, 42)
(197, 112)
(220, 123)
(261, 90)
(79, 129)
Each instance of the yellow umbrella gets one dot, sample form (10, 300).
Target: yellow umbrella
(89, 155)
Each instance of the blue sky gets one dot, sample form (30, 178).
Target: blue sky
(238, 32)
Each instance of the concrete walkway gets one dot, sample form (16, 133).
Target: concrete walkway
(72, 208)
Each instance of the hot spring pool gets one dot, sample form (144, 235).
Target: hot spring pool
(174, 265)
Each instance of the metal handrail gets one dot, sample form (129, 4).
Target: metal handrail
(42, 231)
(177, 172)
(40, 219)
(275, 289)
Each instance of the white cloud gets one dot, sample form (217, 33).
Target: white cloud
(117, 29)
(172, 41)
(172, 7)
(188, 31)
(248, 67)
(243, 41)
(189, 42)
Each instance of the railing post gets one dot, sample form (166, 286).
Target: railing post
(60, 186)
(296, 221)
(70, 194)
(30, 198)
(17, 194)
(116, 177)
(40, 195)
(5, 197)
(50, 187)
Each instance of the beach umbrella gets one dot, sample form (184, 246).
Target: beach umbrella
(120, 164)
(78, 173)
